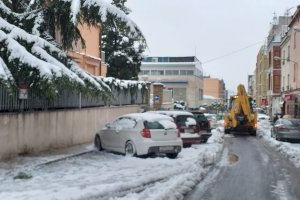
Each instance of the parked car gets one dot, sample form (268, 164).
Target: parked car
(212, 118)
(203, 124)
(140, 134)
(187, 126)
(263, 117)
(286, 129)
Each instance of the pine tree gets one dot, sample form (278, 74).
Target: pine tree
(29, 53)
(124, 50)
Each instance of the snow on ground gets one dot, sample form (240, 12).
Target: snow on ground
(289, 150)
(104, 175)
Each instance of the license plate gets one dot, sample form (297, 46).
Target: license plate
(166, 148)
(189, 130)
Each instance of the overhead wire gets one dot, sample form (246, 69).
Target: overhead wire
(233, 52)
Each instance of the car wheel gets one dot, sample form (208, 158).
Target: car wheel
(227, 131)
(97, 143)
(130, 149)
(277, 138)
(253, 133)
(186, 145)
(172, 155)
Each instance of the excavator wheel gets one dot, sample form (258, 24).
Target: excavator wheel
(253, 133)
(227, 131)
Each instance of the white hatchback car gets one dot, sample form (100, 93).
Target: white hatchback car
(140, 134)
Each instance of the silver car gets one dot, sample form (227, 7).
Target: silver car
(286, 129)
(140, 134)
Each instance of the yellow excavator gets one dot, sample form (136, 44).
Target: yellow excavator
(241, 116)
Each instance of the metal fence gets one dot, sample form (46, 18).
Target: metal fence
(10, 102)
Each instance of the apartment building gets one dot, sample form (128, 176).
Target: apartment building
(214, 87)
(251, 85)
(261, 78)
(290, 57)
(278, 29)
(90, 58)
(182, 77)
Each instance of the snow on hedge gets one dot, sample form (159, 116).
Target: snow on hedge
(50, 61)
(105, 7)
(5, 74)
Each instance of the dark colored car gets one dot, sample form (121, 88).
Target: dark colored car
(187, 126)
(286, 129)
(203, 124)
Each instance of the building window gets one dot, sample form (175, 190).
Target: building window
(288, 82)
(295, 71)
(186, 72)
(145, 72)
(157, 72)
(172, 72)
(295, 42)
(283, 57)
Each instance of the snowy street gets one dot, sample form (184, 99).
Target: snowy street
(253, 169)
(104, 175)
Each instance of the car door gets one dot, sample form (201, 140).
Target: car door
(107, 136)
(275, 127)
(124, 132)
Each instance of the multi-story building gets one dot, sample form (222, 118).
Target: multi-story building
(290, 57)
(261, 77)
(214, 87)
(279, 27)
(181, 76)
(89, 57)
(251, 85)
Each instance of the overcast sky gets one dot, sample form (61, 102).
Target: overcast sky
(211, 28)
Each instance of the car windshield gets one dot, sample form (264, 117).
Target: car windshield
(292, 123)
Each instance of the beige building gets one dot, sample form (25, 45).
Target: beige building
(261, 78)
(90, 58)
(214, 87)
(290, 57)
(182, 77)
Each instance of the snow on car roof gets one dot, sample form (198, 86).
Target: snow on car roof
(148, 116)
(172, 113)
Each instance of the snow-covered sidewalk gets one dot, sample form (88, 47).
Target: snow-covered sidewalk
(289, 150)
(104, 175)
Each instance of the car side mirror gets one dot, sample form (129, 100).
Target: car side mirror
(108, 125)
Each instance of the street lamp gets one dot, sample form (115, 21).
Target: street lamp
(285, 59)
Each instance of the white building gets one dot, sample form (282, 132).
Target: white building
(181, 76)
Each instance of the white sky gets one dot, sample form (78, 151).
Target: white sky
(212, 27)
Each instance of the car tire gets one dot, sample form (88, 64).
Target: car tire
(130, 149)
(277, 138)
(253, 133)
(172, 155)
(97, 143)
(186, 145)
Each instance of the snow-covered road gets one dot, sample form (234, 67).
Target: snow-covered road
(104, 175)
(289, 150)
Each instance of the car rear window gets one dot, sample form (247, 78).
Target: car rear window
(200, 117)
(182, 119)
(153, 125)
